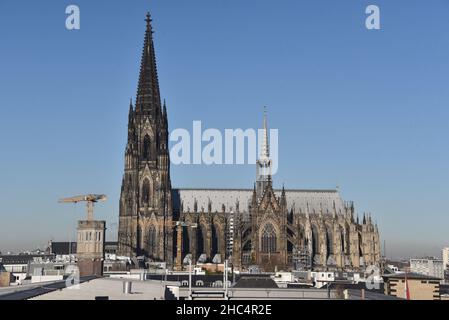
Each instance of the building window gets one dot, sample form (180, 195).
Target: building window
(268, 239)
(329, 241)
(152, 240)
(146, 147)
(146, 192)
(315, 244)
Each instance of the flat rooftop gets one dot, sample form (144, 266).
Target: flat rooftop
(111, 288)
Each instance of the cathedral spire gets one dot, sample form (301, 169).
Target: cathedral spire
(265, 154)
(131, 109)
(254, 198)
(130, 121)
(283, 197)
(146, 190)
(148, 96)
(263, 165)
(164, 113)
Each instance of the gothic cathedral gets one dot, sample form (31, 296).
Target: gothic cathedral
(286, 229)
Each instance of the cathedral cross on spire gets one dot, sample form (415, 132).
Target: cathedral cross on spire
(149, 20)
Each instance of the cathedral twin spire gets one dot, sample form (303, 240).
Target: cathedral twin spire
(146, 186)
(148, 96)
(148, 101)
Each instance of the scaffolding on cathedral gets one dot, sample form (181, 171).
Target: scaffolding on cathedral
(301, 259)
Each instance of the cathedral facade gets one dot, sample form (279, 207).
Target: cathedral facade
(263, 226)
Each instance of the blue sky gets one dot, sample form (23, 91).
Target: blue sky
(365, 110)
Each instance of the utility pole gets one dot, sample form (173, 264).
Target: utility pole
(190, 279)
(225, 280)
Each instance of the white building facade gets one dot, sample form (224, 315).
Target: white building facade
(429, 267)
(446, 258)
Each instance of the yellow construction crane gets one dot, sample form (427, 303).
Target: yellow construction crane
(179, 225)
(90, 199)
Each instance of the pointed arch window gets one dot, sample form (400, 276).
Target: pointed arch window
(139, 240)
(315, 244)
(268, 239)
(152, 240)
(146, 147)
(329, 241)
(146, 192)
(360, 245)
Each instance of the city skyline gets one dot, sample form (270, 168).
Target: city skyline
(60, 151)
